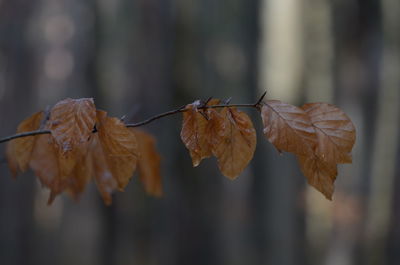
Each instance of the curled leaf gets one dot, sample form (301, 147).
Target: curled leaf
(288, 128)
(238, 142)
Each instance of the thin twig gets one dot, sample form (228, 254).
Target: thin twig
(24, 134)
(227, 101)
(149, 120)
(258, 103)
(172, 112)
(159, 116)
(206, 102)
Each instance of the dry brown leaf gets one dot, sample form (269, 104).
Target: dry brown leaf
(320, 174)
(335, 132)
(71, 124)
(149, 163)
(214, 131)
(120, 148)
(45, 165)
(238, 143)
(288, 128)
(80, 176)
(19, 150)
(319, 134)
(110, 157)
(193, 134)
(12, 160)
(105, 181)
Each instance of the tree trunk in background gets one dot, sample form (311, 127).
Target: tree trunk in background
(391, 55)
(357, 57)
(386, 143)
(17, 97)
(218, 61)
(279, 184)
(392, 250)
(318, 86)
(134, 44)
(138, 58)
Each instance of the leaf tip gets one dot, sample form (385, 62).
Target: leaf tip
(52, 196)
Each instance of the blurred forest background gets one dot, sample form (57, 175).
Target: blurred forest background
(142, 57)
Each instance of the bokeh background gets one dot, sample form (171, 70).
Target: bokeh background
(142, 57)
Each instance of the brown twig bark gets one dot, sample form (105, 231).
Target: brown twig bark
(255, 105)
(24, 134)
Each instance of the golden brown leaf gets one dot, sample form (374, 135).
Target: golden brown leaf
(288, 128)
(319, 134)
(214, 130)
(193, 134)
(119, 148)
(335, 131)
(320, 174)
(238, 143)
(105, 181)
(45, 165)
(19, 150)
(149, 163)
(110, 158)
(71, 124)
(80, 176)
(12, 160)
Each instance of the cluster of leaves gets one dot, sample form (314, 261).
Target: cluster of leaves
(319, 134)
(84, 143)
(226, 133)
(76, 142)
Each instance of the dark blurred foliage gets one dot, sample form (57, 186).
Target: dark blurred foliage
(142, 57)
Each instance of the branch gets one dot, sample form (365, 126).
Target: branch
(182, 109)
(24, 134)
(151, 119)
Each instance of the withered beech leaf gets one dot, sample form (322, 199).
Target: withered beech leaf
(335, 132)
(45, 165)
(215, 129)
(71, 123)
(19, 150)
(319, 174)
(80, 176)
(149, 163)
(85, 143)
(120, 148)
(103, 176)
(193, 133)
(238, 143)
(12, 160)
(288, 128)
